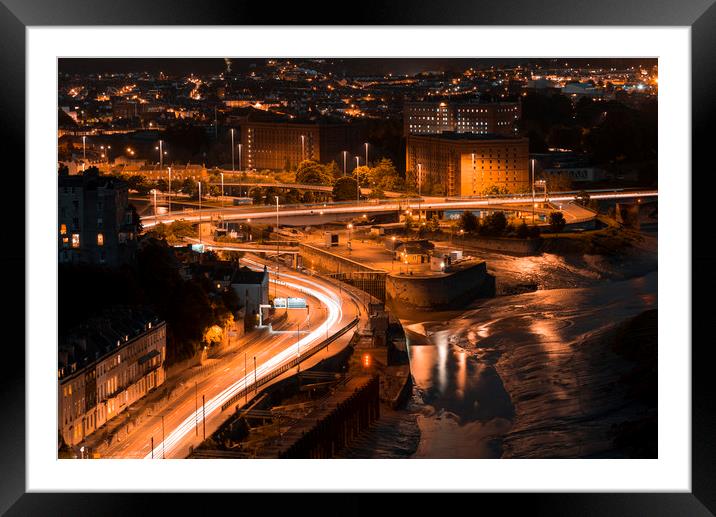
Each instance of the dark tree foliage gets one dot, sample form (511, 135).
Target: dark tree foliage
(556, 222)
(495, 225)
(345, 189)
(188, 306)
(469, 222)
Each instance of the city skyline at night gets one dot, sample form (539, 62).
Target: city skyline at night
(357, 258)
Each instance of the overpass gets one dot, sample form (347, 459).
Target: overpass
(250, 212)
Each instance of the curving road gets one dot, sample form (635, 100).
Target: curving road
(181, 420)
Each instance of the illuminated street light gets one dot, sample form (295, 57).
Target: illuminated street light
(303, 147)
(345, 154)
(160, 148)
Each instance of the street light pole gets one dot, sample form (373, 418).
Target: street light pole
(155, 205)
(240, 156)
(278, 253)
(532, 170)
(420, 177)
(232, 152)
(170, 189)
(357, 182)
(222, 183)
(345, 154)
(84, 151)
(366, 154)
(161, 154)
(303, 147)
(199, 182)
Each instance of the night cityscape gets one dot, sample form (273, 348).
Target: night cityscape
(357, 258)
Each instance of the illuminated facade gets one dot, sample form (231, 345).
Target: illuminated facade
(105, 366)
(467, 164)
(431, 117)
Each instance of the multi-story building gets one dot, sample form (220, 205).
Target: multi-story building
(106, 365)
(467, 164)
(431, 117)
(96, 224)
(277, 145)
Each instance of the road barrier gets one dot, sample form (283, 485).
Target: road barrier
(286, 367)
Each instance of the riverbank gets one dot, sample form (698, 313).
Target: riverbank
(538, 374)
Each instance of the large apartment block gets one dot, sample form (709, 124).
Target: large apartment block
(105, 366)
(95, 220)
(431, 117)
(280, 145)
(467, 164)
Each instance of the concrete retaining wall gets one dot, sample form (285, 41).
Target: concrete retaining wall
(507, 245)
(323, 261)
(440, 292)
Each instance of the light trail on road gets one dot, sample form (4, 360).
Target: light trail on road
(238, 213)
(334, 315)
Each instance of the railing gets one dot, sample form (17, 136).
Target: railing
(286, 367)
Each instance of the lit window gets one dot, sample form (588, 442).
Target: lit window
(63, 229)
(75, 240)
(100, 239)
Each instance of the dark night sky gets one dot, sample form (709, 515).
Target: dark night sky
(184, 66)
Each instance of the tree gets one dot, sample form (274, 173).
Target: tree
(376, 193)
(384, 175)
(495, 224)
(363, 173)
(523, 230)
(468, 222)
(344, 189)
(257, 194)
(308, 197)
(310, 172)
(433, 224)
(333, 171)
(582, 198)
(292, 197)
(556, 222)
(495, 190)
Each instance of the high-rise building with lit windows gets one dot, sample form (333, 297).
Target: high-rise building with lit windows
(431, 117)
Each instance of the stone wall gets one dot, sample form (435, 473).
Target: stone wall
(507, 245)
(440, 291)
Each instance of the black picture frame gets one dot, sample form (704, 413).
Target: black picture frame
(699, 15)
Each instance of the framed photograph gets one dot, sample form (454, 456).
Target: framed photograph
(416, 252)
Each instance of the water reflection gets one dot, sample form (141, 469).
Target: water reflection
(463, 407)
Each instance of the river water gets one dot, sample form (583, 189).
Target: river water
(460, 404)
